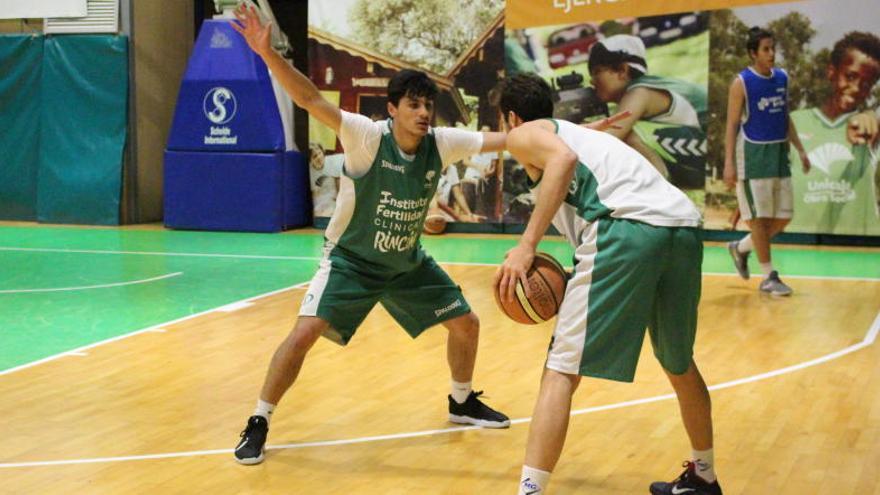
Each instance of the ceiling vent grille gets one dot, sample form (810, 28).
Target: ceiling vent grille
(102, 17)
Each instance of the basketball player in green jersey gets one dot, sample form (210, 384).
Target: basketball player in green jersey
(840, 196)
(619, 73)
(759, 132)
(372, 251)
(638, 254)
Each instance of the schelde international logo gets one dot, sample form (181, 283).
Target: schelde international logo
(567, 5)
(220, 106)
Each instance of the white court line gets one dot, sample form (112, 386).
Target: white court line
(159, 253)
(143, 330)
(230, 308)
(869, 339)
(318, 258)
(87, 287)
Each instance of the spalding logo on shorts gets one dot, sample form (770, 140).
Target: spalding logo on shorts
(219, 105)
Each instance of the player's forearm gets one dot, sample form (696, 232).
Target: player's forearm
(299, 87)
(730, 141)
(557, 176)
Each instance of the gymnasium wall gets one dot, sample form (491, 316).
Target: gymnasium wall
(161, 44)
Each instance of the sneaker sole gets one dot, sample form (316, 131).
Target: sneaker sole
(250, 461)
(776, 294)
(467, 420)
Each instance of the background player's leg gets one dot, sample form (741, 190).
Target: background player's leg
(760, 228)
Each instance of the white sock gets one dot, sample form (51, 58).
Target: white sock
(533, 481)
(460, 391)
(264, 409)
(745, 244)
(704, 460)
(766, 268)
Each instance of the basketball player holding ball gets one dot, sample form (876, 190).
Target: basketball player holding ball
(638, 254)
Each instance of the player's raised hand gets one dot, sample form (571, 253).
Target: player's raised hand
(257, 34)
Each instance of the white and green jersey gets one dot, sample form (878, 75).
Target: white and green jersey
(613, 180)
(384, 192)
(838, 195)
(678, 135)
(689, 101)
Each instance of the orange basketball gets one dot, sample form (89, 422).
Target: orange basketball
(546, 279)
(434, 224)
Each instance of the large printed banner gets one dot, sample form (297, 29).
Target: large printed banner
(530, 13)
(681, 57)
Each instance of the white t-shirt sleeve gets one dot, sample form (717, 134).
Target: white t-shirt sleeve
(457, 144)
(360, 138)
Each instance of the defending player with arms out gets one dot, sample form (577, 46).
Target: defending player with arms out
(372, 251)
(759, 130)
(841, 195)
(638, 254)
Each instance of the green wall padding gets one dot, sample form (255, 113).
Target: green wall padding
(20, 69)
(82, 128)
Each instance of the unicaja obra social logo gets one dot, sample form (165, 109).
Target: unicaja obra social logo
(219, 105)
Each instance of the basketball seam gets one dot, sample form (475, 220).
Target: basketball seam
(526, 304)
(550, 288)
(552, 260)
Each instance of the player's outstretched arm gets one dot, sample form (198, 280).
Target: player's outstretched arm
(295, 83)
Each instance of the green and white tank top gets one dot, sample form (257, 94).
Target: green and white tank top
(837, 196)
(689, 101)
(384, 192)
(613, 180)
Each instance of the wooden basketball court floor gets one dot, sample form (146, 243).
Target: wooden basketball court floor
(131, 358)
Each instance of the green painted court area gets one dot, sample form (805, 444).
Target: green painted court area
(65, 288)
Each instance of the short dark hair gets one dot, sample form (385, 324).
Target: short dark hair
(527, 95)
(756, 34)
(600, 56)
(866, 43)
(412, 83)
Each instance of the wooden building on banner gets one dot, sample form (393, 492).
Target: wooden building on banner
(358, 77)
(480, 68)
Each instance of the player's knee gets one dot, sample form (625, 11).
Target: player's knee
(306, 332)
(466, 325)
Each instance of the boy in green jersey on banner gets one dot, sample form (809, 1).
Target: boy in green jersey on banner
(372, 252)
(841, 195)
(619, 73)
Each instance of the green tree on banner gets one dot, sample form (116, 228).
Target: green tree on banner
(727, 56)
(792, 33)
(429, 33)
